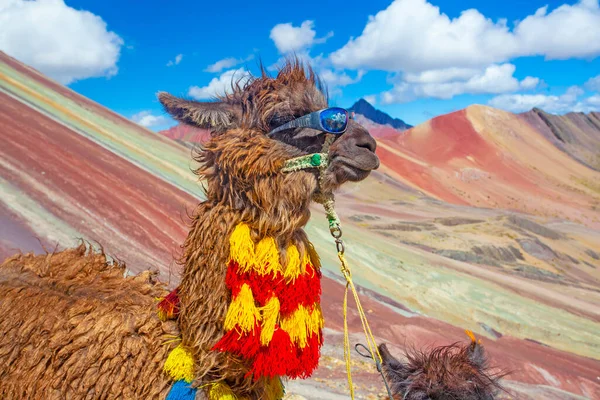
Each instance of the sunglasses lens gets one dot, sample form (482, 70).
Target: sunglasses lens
(334, 120)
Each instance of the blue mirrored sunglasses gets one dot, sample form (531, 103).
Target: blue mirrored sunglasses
(331, 120)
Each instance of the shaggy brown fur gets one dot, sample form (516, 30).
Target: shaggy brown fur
(450, 372)
(74, 328)
(94, 334)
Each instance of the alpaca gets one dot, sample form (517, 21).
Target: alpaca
(449, 372)
(72, 327)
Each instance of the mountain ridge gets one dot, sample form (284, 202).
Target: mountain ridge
(575, 133)
(366, 109)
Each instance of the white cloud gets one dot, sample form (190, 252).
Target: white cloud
(572, 93)
(62, 42)
(288, 38)
(593, 84)
(441, 75)
(227, 63)
(450, 82)
(414, 36)
(222, 64)
(177, 60)
(336, 79)
(571, 100)
(594, 102)
(146, 119)
(530, 82)
(525, 102)
(317, 63)
(569, 31)
(219, 86)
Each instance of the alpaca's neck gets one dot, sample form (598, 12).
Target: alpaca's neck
(207, 243)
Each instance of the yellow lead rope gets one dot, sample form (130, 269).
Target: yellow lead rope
(371, 343)
(336, 232)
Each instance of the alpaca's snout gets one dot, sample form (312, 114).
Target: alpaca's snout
(353, 155)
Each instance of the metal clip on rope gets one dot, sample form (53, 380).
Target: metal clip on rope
(336, 232)
(377, 363)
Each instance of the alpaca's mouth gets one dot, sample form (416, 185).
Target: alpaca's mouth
(353, 169)
(364, 162)
(346, 173)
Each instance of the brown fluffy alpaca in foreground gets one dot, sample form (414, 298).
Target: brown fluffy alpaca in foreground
(72, 327)
(451, 372)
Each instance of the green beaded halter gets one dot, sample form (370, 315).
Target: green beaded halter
(316, 160)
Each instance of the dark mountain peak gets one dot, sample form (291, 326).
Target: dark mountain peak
(367, 110)
(362, 104)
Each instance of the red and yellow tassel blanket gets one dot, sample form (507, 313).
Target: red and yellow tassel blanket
(274, 320)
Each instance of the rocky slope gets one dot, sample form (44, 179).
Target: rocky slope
(577, 134)
(475, 220)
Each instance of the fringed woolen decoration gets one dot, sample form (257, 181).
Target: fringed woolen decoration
(181, 390)
(274, 319)
(168, 307)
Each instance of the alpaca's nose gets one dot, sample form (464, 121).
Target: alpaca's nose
(365, 141)
(358, 136)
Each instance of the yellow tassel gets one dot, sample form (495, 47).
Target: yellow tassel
(274, 389)
(472, 337)
(316, 321)
(293, 269)
(267, 257)
(295, 326)
(220, 391)
(241, 247)
(270, 312)
(242, 311)
(303, 323)
(305, 260)
(180, 364)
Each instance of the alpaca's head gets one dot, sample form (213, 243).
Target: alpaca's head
(449, 372)
(241, 153)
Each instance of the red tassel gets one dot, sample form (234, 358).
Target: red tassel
(168, 307)
(233, 280)
(308, 358)
(305, 291)
(277, 358)
(261, 286)
(246, 346)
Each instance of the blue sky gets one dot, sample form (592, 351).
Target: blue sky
(413, 58)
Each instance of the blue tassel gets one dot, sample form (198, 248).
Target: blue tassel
(181, 390)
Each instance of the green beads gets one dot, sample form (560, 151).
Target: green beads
(315, 160)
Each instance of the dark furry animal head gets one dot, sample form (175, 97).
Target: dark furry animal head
(453, 372)
(240, 120)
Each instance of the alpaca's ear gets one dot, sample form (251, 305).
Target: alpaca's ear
(216, 116)
(388, 359)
